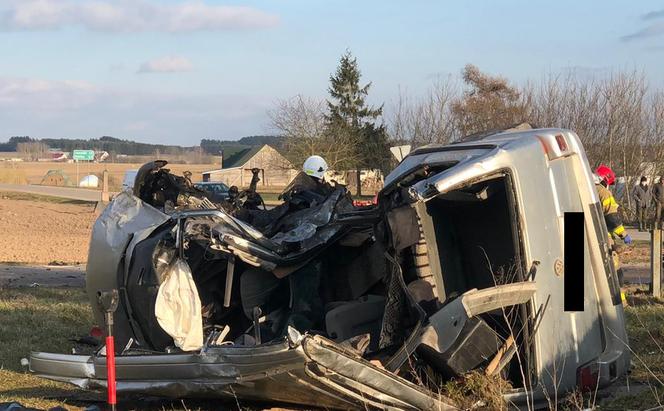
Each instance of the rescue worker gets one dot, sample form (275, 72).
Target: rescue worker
(609, 205)
(606, 177)
(300, 291)
(642, 198)
(315, 167)
(308, 188)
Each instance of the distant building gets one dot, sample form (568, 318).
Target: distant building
(236, 170)
(55, 155)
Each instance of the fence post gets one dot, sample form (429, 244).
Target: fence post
(656, 262)
(104, 187)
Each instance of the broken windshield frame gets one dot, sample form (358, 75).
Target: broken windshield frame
(434, 158)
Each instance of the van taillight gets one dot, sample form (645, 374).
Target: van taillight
(555, 146)
(562, 144)
(587, 376)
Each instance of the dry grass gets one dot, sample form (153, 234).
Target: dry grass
(38, 319)
(639, 253)
(45, 319)
(12, 175)
(476, 390)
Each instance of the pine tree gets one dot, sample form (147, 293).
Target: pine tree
(351, 120)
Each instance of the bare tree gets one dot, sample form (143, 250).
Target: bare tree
(489, 102)
(617, 118)
(33, 149)
(427, 120)
(302, 121)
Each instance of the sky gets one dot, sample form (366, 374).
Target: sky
(176, 71)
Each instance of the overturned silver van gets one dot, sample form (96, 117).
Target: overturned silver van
(458, 268)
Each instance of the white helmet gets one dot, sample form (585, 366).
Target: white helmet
(315, 166)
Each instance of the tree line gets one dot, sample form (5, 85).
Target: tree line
(39, 147)
(619, 117)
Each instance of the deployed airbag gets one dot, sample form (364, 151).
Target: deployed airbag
(178, 307)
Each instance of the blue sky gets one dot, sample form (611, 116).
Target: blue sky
(178, 71)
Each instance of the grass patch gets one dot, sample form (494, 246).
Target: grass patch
(14, 195)
(647, 399)
(645, 328)
(36, 319)
(39, 319)
(270, 197)
(44, 319)
(477, 389)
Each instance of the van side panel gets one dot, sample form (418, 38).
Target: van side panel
(564, 341)
(585, 325)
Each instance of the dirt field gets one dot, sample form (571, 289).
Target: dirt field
(35, 231)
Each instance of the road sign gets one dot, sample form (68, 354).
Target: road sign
(83, 155)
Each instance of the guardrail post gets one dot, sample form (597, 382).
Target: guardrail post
(656, 262)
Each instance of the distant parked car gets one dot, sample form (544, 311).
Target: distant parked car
(217, 192)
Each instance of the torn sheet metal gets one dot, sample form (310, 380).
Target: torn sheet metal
(365, 383)
(445, 326)
(303, 370)
(122, 220)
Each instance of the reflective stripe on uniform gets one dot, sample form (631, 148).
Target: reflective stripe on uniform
(610, 204)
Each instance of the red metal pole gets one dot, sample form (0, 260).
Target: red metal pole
(110, 371)
(108, 301)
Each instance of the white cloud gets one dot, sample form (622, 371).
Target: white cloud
(44, 95)
(51, 108)
(131, 16)
(168, 64)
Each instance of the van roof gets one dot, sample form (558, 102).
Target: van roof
(466, 148)
(496, 138)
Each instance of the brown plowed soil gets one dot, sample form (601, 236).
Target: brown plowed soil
(44, 232)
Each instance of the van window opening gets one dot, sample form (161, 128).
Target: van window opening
(478, 245)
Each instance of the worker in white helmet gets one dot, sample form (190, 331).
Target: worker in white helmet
(308, 188)
(315, 166)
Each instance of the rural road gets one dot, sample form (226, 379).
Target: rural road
(81, 194)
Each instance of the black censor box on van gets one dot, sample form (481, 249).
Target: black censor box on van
(573, 261)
